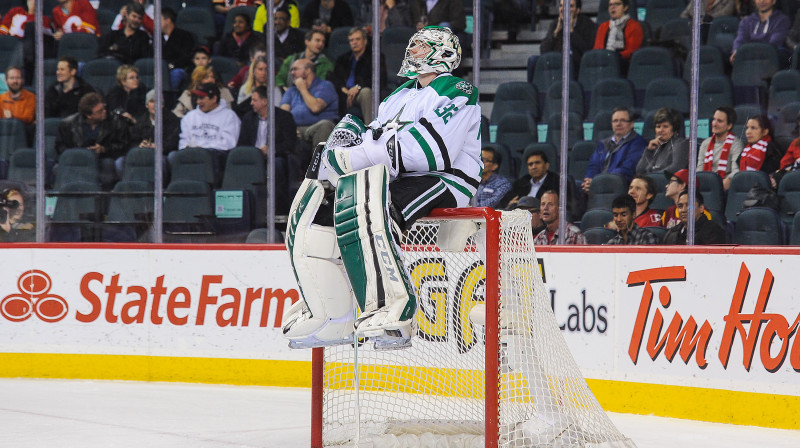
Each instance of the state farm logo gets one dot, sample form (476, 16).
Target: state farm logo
(34, 298)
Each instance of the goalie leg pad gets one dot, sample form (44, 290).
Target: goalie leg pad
(371, 256)
(325, 315)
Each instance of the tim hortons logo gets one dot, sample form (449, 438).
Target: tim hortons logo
(769, 332)
(34, 297)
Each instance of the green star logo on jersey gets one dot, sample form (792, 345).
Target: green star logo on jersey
(396, 122)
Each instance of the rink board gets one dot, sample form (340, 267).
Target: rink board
(731, 352)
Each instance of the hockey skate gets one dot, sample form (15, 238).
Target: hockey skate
(328, 332)
(383, 328)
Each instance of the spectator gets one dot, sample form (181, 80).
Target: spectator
(315, 43)
(619, 153)
(92, 128)
(620, 33)
(720, 152)
(312, 102)
(13, 23)
(74, 16)
(668, 151)
(17, 102)
(582, 32)
(792, 37)
(130, 43)
(61, 99)
(260, 21)
(789, 161)
(200, 75)
(258, 76)
(144, 131)
(223, 7)
(628, 232)
(761, 153)
(532, 205)
(201, 57)
(678, 182)
(254, 133)
(147, 20)
(705, 231)
(643, 191)
(257, 50)
(212, 125)
(288, 40)
(176, 49)
(12, 227)
(353, 76)
(550, 217)
(493, 187)
(325, 15)
(237, 43)
(766, 24)
(127, 98)
(449, 13)
(538, 180)
(711, 9)
(393, 13)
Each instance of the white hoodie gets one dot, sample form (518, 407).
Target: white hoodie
(218, 129)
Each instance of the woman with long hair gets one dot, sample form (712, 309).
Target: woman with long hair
(761, 152)
(257, 76)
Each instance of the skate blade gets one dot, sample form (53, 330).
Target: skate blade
(391, 340)
(317, 343)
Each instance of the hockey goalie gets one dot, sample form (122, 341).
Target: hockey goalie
(369, 183)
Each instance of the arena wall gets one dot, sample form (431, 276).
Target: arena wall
(698, 333)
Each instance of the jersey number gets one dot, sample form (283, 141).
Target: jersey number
(446, 113)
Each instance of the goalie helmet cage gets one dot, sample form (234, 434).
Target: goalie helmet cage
(509, 383)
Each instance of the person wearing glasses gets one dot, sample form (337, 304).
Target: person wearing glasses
(493, 186)
(620, 33)
(618, 154)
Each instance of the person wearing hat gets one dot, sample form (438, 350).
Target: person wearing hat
(532, 205)
(678, 183)
(720, 152)
(212, 125)
(705, 231)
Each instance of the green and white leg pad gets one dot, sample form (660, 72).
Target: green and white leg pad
(371, 255)
(325, 315)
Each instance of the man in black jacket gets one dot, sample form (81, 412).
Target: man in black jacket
(61, 99)
(705, 231)
(254, 133)
(538, 180)
(352, 76)
(130, 43)
(177, 48)
(288, 40)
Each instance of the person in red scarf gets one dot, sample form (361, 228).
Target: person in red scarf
(720, 152)
(761, 152)
(14, 21)
(74, 16)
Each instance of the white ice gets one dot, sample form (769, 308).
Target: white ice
(88, 414)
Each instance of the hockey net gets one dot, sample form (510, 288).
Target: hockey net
(510, 383)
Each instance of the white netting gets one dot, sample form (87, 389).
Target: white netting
(434, 393)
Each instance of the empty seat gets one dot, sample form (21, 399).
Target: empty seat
(76, 211)
(648, 63)
(244, 170)
(547, 71)
(50, 135)
(552, 102)
(598, 235)
(786, 123)
(516, 131)
(741, 183)
(667, 92)
(10, 52)
(12, 137)
(604, 188)
(140, 165)
(579, 158)
(715, 91)
(711, 64)
(192, 164)
(675, 29)
(147, 70)
(789, 195)
(258, 236)
(76, 165)
(659, 12)
(574, 129)
(188, 209)
(758, 226)
(22, 166)
(712, 190)
(130, 210)
(228, 68)
(722, 33)
(338, 42)
(101, 74)
(597, 65)
(515, 97)
(754, 66)
(794, 238)
(783, 89)
(608, 94)
(81, 46)
(199, 21)
(596, 217)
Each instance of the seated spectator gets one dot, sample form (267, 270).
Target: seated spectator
(144, 131)
(17, 102)
(720, 152)
(711, 9)
(352, 76)
(147, 19)
(761, 153)
(668, 151)
(212, 125)
(127, 97)
(313, 103)
(288, 40)
(620, 33)
(201, 57)
(260, 21)
(223, 7)
(550, 217)
(449, 13)
(254, 133)
(582, 32)
(643, 191)
(257, 50)
(393, 13)
(13, 23)
(236, 44)
(200, 75)
(789, 161)
(538, 180)
(792, 37)
(130, 43)
(678, 182)
(61, 99)
(705, 231)
(325, 15)
(12, 227)
(623, 208)
(766, 24)
(532, 205)
(315, 43)
(74, 16)
(258, 76)
(618, 154)
(176, 49)
(493, 187)
(92, 128)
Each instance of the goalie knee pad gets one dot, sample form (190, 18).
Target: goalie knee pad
(325, 316)
(370, 252)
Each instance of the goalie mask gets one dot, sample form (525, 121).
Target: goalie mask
(433, 49)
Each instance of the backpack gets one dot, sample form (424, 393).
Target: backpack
(761, 196)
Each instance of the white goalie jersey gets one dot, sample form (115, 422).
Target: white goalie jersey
(438, 132)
